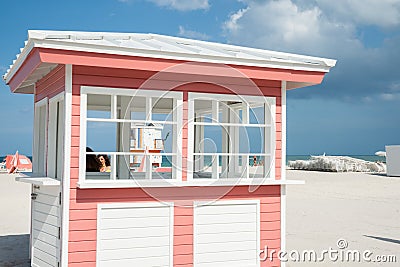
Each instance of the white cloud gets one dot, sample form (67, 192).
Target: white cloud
(383, 13)
(395, 87)
(182, 5)
(390, 96)
(366, 99)
(192, 34)
(321, 28)
(232, 24)
(283, 25)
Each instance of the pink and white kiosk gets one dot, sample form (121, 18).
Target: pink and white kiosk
(216, 196)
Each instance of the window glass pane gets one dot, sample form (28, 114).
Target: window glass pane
(251, 140)
(166, 141)
(229, 111)
(230, 167)
(131, 107)
(98, 106)
(162, 109)
(131, 167)
(98, 175)
(102, 136)
(203, 110)
(163, 168)
(203, 166)
(257, 165)
(134, 166)
(152, 136)
(216, 166)
(203, 118)
(211, 139)
(227, 166)
(256, 115)
(98, 166)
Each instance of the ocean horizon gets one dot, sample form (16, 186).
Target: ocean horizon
(373, 158)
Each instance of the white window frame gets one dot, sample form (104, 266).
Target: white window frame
(245, 99)
(114, 93)
(53, 136)
(38, 105)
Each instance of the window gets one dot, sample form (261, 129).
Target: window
(232, 136)
(135, 131)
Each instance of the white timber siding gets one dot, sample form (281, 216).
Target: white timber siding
(226, 233)
(45, 226)
(393, 160)
(135, 234)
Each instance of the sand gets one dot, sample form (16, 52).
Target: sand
(363, 209)
(14, 223)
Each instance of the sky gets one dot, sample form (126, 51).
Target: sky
(355, 111)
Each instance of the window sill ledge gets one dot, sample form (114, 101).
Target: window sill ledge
(191, 183)
(37, 179)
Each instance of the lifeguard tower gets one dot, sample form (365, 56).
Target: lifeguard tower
(218, 107)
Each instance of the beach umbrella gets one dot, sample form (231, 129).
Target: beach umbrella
(381, 153)
(14, 163)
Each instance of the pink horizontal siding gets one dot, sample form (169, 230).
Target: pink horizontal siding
(156, 65)
(108, 77)
(83, 203)
(83, 216)
(51, 85)
(183, 235)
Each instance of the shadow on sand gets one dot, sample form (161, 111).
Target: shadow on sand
(14, 251)
(384, 239)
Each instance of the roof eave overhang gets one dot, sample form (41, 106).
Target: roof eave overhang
(25, 52)
(62, 45)
(30, 50)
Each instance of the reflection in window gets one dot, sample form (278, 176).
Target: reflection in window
(232, 137)
(137, 132)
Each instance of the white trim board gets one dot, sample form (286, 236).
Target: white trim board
(65, 189)
(283, 221)
(283, 123)
(41, 181)
(195, 182)
(36, 135)
(130, 92)
(52, 135)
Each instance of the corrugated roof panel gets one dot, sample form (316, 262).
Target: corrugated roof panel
(161, 46)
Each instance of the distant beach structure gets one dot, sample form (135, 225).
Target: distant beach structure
(337, 164)
(15, 163)
(393, 160)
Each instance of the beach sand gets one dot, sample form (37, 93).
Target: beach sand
(15, 222)
(363, 209)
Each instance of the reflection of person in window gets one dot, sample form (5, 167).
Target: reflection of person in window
(92, 163)
(105, 163)
(255, 161)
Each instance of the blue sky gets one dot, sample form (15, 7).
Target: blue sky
(356, 110)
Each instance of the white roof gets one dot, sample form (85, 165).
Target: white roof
(166, 47)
